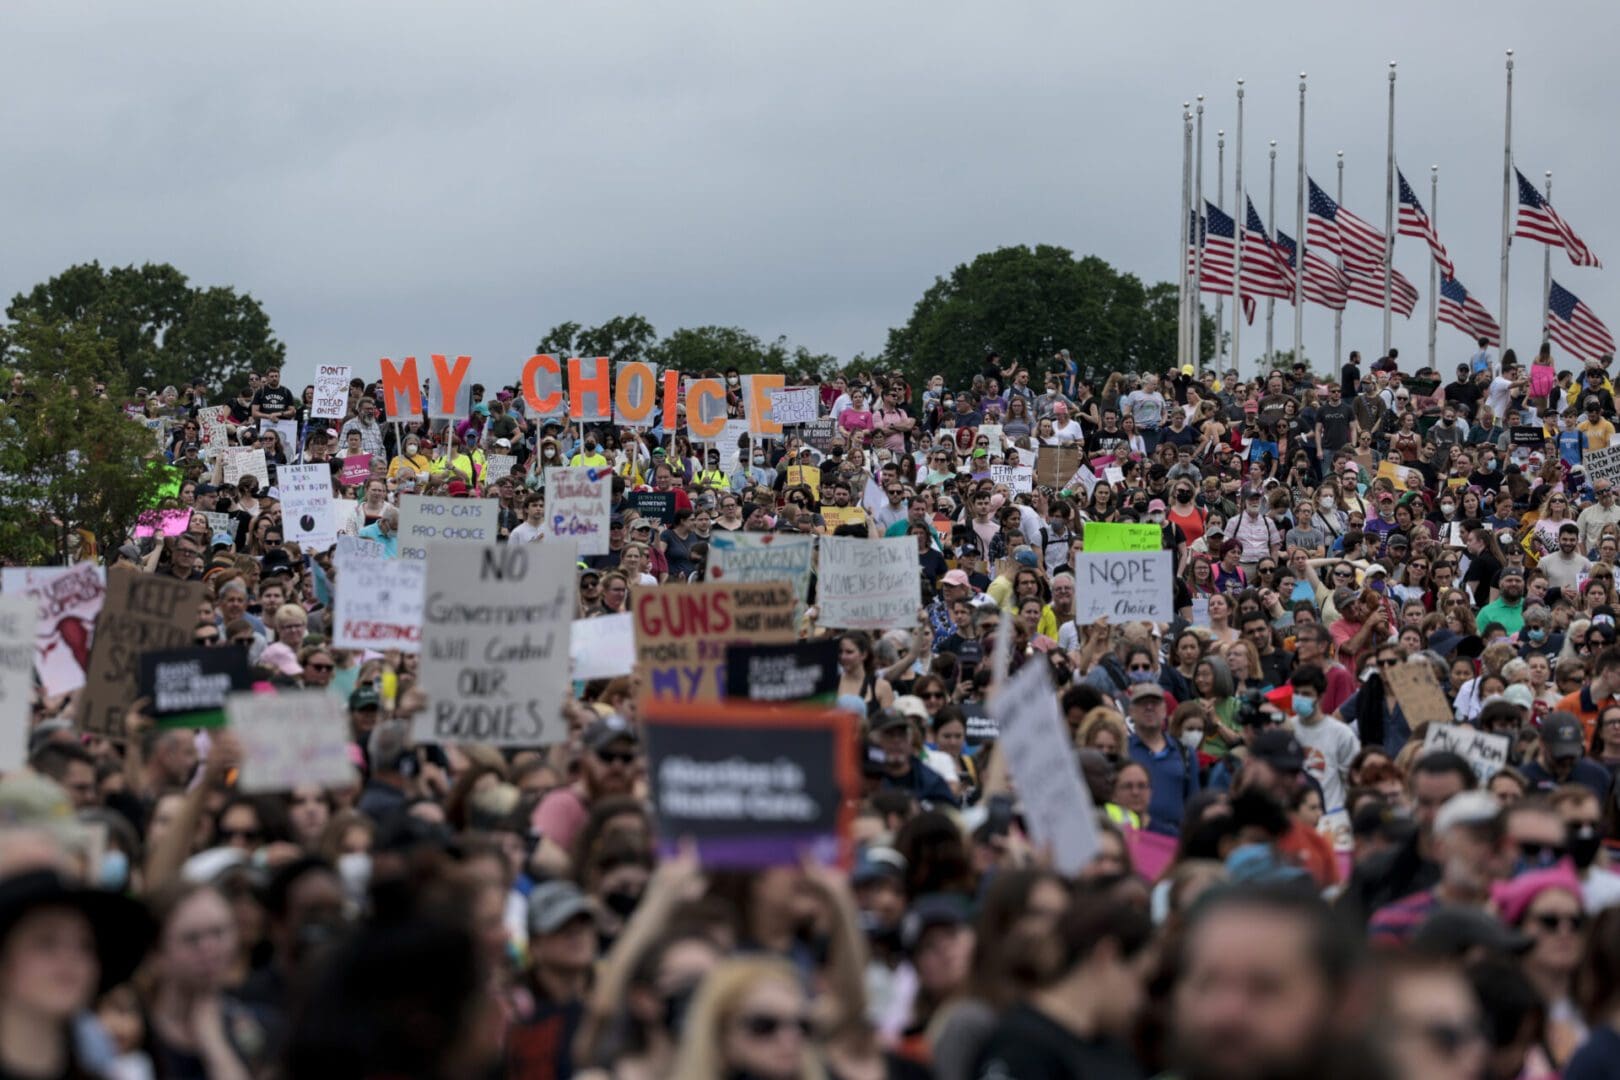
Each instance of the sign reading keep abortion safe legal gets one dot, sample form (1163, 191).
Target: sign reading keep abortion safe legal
(1123, 586)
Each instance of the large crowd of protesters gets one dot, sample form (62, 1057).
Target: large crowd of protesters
(1294, 878)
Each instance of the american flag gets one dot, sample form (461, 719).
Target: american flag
(1571, 324)
(1458, 308)
(1265, 270)
(1332, 228)
(1324, 283)
(1414, 221)
(1219, 255)
(1369, 289)
(1539, 221)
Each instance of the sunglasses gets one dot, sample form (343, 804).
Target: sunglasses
(322, 667)
(1554, 923)
(763, 1026)
(252, 836)
(615, 757)
(1141, 667)
(935, 695)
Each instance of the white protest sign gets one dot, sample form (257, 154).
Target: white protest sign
(498, 465)
(1602, 464)
(731, 438)
(220, 523)
(240, 462)
(868, 584)
(1083, 477)
(1114, 474)
(18, 616)
(290, 738)
(331, 391)
(604, 646)
(579, 504)
(307, 513)
(287, 432)
(495, 647)
(67, 600)
(377, 602)
(159, 428)
(742, 558)
(211, 422)
(799, 405)
(1015, 478)
(1040, 760)
(425, 520)
(991, 432)
(1487, 753)
(1123, 586)
(353, 547)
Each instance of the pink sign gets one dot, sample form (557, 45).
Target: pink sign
(168, 522)
(356, 469)
(1150, 852)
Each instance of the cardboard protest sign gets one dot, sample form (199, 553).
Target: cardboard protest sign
(290, 738)
(682, 632)
(868, 584)
(378, 603)
(241, 462)
(798, 405)
(705, 409)
(18, 616)
(188, 687)
(590, 388)
(1486, 753)
(141, 613)
(798, 671)
(331, 391)
(449, 388)
(353, 547)
(67, 600)
(1418, 693)
(495, 643)
(808, 475)
(603, 646)
(1083, 479)
(821, 434)
(658, 505)
(753, 785)
(161, 523)
(834, 516)
(1040, 761)
(307, 513)
(1015, 478)
(356, 470)
(425, 520)
(991, 432)
(750, 558)
(1122, 536)
(579, 504)
(1123, 586)
(1602, 464)
(1055, 464)
(498, 466)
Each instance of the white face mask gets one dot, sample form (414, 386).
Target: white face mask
(1191, 739)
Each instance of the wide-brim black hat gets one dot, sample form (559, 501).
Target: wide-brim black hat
(123, 928)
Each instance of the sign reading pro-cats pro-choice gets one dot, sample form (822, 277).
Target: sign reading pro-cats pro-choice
(497, 620)
(425, 520)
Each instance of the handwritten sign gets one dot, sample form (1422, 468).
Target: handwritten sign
(291, 738)
(495, 648)
(751, 558)
(579, 504)
(211, 422)
(1419, 694)
(18, 617)
(1040, 760)
(799, 405)
(1486, 753)
(331, 391)
(67, 600)
(1122, 536)
(733, 437)
(498, 466)
(241, 462)
(603, 646)
(869, 584)
(307, 513)
(161, 522)
(682, 632)
(1054, 464)
(378, 601)
(141, 612)
(834, 516)
(1015, 478)
(356, 470)
(1602, 464)
(1123, 586)
(808, 475)
(425, 520)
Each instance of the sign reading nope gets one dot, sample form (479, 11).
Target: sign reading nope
(1123, 586)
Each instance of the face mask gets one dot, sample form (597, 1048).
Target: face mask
(1139, 507)
(1183, 496)
(1304, 707)
(1446, 508)
(410, 450)
(1140, 676)
(622, 904)
(1192, 740)
(1489, 466)
(590, 445)
(676, 1006)
(1584, 843)
(1536, 634)
(1156, 519)
(114, 870)
(1325, 503)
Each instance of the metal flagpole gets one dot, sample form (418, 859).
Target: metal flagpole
(1389, 211)
(1184, 340)
(1338, 316)
(1271, 215)
(1434, 264)
(1220, 204)
(1299, 233)
(1237, 255)
(1546, 268)
(1507, 197)
(1198, 250)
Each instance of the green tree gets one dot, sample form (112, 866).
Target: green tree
(716, 348)
(162, 330)
(70, 460)
(1027, 304)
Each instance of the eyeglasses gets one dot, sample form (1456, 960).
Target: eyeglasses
(936, 695)
(320, 667)
(1388, 661)
(252, 836)
(1141, 667)
(616, 757)
(1554, 923)
(764, 1026)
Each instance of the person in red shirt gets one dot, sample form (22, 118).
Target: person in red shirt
(1276, 765)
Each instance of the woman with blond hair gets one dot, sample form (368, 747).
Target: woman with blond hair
(750, 1018)
(1103, 730)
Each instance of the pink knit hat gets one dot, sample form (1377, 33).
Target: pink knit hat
(1514, 896)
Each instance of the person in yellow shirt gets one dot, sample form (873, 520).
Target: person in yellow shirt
(1599, 431)
(589, 453)
(411, 458)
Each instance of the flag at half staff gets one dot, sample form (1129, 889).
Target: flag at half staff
(1460, 309)
(1219, 237)
(1265, 270)
(1415, 221)
(1539, 221)
(1368, 288)
(1335, 229)
(1324, 283)
(1571, 324)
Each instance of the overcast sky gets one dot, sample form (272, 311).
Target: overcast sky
(414, 177)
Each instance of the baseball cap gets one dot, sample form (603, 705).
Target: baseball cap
(877, 862)
(1026, 557)
(887, 720)
(1156, 506)
(1279, 749)
(1467, 808)
(555, 904)
(504, 442)
(1562, 735)
(911, 705)
(955, 577)
(456, 488)
(1147, 690)
(602, 733)
(1455, 931)
(365, 697)
(1520, 695)
(930, 911)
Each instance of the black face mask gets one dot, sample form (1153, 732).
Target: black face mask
(1584, 843)
(622, 904)
(676, 1006)
(1183, 496)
